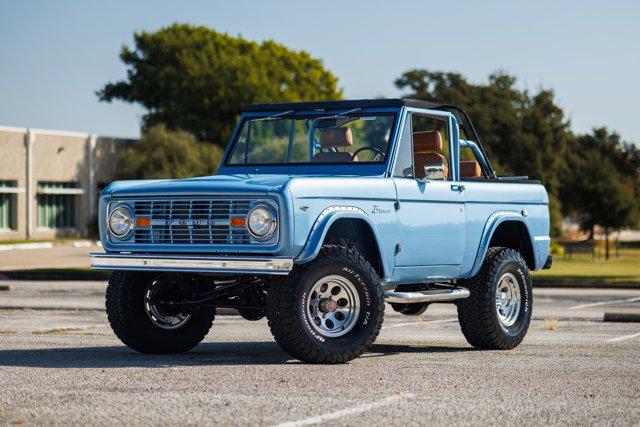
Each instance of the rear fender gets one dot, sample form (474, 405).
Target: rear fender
(490, 227)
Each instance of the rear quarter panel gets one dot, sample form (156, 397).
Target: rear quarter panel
(529, 201)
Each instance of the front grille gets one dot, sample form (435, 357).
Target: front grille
(191, 222)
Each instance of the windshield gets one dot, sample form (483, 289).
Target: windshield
(280, 140)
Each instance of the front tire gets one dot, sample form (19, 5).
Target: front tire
(497, 314)
(147, 327)
(329, 310)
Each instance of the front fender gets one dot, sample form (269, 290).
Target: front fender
(490, 227)
(322, 225)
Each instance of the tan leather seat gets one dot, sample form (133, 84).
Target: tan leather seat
(334, 138)
(470, 169)
(425, 147)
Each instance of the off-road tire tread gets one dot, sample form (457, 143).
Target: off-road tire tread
(282, 318)
(476, 313)
(121, 301)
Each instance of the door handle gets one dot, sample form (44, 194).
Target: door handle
(457, 187)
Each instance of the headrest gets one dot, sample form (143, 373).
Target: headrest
(425, 141)
(470, 169)
(336, 137)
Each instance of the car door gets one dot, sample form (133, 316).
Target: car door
(431, 214)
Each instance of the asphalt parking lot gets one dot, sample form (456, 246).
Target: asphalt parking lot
(61, 364)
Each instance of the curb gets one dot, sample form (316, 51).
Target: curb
(34, 275)
(219, 311)
(40, 245)
(621, 317)
(44, 308)
(573, 285)
(80, 243)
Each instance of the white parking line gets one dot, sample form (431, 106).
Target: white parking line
(416, 322)
(348, 411)
(596, 304)
(624, 338)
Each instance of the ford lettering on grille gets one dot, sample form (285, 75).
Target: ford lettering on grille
(187, 222)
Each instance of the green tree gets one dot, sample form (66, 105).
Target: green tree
(601, 183)
(555, 216)
(196, 79)
(624, 155)
(162, 153)
(608, 198)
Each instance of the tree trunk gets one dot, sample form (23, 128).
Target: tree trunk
(606, 243)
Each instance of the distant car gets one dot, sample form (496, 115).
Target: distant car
(319, 213)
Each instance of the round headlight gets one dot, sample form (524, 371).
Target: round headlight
(120, 222)
(261, 222)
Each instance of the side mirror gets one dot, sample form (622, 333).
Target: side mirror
(434, 171)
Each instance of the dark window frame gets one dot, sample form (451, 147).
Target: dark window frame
(450, 146)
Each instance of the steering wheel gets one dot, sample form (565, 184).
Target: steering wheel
(379, 153)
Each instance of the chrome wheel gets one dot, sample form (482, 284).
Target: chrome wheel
(508, 299)
(333, 306)
(164, 317)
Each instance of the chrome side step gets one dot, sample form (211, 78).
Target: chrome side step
(436, 295)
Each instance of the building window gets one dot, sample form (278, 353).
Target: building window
(57, 204)
(8, 192)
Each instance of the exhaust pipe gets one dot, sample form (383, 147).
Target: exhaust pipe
(436, 295)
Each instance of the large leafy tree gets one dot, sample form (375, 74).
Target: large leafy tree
(196, 79)
(601, 184)
(163, 153)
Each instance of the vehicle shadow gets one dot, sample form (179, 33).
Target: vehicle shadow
(384, 349)
(244, 353)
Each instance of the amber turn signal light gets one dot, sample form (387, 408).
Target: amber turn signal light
(237, 221)
(143, 222)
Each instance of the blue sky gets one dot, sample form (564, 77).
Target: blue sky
(55, 54)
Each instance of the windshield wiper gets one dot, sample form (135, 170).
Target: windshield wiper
(277, 116)
(342, 115)
(338, 115)
(344, 119)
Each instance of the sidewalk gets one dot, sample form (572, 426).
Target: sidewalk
(60, 256)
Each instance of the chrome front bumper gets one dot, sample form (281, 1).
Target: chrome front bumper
(193, 263)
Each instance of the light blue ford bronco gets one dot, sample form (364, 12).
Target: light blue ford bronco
(319, 214)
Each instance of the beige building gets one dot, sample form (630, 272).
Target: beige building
(50, 180)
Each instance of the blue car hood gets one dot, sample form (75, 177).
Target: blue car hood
(218, 184)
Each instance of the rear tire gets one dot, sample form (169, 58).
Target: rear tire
(151, 329)
(497, 314)
(329, 310)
